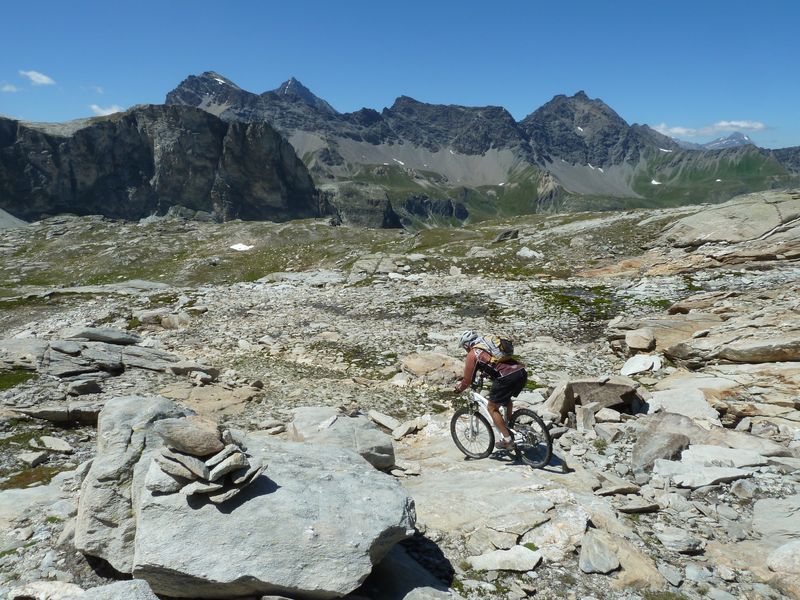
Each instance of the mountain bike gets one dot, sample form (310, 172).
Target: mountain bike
(473, 432)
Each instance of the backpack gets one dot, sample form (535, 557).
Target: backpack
(501, 349)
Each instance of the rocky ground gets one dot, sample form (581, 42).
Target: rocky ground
(691, 490)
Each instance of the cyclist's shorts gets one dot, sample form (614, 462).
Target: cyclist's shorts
(505, 388)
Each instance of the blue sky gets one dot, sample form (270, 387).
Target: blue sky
(696, 69)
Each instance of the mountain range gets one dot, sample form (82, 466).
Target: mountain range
(219, 150)
(573, 152)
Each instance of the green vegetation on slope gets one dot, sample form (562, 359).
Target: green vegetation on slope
(709, 177)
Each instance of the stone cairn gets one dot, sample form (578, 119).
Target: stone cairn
(199, 459)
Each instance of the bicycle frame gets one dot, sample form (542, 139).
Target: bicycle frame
(482, 403)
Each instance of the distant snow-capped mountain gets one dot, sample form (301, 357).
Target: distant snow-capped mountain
(734, 140)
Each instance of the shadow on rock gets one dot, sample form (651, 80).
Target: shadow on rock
(414, 564)
(261, 486)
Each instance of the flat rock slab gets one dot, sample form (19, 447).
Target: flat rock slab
(716, 456)
(122, 590)
(103, 334)
(45, 590)
(638, 506)
(690, 403)
(518, 558)
(669, 330)
(777, 520)
(612, 485)
(637, 364)
(22, 353)
(433, 367)
(383, 420)
(327, 426)
(312, 526)
(692, 475)
(744, 218)
(213, 400)
(678, 540)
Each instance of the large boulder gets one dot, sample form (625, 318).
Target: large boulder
(605, 392)
(600, 392)
(327, 426)
(312, 526)
(106, 525)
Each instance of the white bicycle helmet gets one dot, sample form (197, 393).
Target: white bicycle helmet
(468, 337)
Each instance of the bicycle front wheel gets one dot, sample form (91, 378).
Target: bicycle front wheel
(472, 433)
(532, 438)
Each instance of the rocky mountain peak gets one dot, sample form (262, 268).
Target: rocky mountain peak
(216, 78)
(734, 140)
(293, 89)
(579, 130)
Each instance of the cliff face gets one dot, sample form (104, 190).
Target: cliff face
(143, 161)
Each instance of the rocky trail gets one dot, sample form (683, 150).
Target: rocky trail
(663, 347)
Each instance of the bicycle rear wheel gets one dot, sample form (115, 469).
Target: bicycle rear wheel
(472, 433)
(532, 440)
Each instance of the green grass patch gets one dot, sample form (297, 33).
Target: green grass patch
(13, 378)
(595, 303)
(41, 475)
(653, 595)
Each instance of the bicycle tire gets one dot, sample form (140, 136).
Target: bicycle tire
(469, 435)
(533, 443)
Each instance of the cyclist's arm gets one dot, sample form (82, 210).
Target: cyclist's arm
(469, 371)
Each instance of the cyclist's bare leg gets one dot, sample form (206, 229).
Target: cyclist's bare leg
(497, 417)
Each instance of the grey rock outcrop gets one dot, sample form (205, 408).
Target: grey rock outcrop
(106, 525)
(743, 219)
(316, 526)
(130, 515)
(133, 164)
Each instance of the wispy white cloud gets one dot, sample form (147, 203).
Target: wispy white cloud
(8, 88)
(714, 129)
(37, 78)
(97, 89)
(109, 110)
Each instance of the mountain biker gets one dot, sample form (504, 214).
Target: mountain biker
(508, 380)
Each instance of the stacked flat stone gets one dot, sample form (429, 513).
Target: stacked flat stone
(197, 459)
